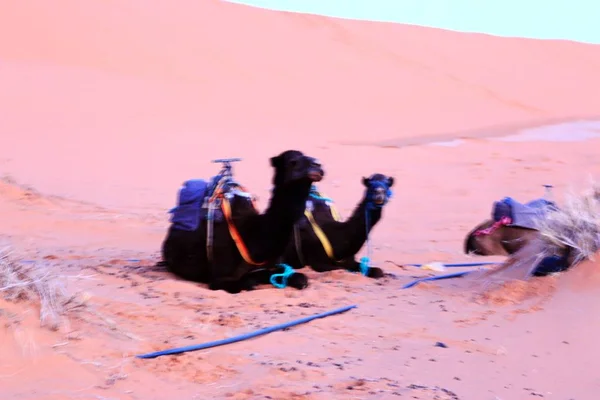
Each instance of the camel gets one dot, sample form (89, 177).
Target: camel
(506, 235)
(241, 249)
(565, 237)
(325, 243)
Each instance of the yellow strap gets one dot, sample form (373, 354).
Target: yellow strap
(334, 212)
(320, 234)
(237, 238)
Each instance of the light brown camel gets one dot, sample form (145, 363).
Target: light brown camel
(562, 238)
(492, 238)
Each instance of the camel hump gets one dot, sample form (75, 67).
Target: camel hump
(186, 214)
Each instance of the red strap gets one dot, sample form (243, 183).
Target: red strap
(503, 221)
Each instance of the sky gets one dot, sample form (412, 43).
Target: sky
(555, 19)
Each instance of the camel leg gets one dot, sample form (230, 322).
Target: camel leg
(233, 279)
(251, 280)
(349, 265)
(230, 286)
(297, 280)
(325, 267)
(354, 266)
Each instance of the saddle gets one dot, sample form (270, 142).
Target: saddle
(521, 215)
(209, 201)
(185, 215)
(197, 196)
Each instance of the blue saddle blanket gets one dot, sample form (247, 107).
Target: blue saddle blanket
(523, 215)
(186, 214)
(192, 202)
(192, 205)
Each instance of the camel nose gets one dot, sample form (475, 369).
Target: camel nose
(379, 196)
(315, 170)
(315, 165)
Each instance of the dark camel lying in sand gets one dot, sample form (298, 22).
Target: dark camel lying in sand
(242, 247)
(324, 243)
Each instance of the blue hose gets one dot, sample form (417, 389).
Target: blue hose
(246, 336)
(456, 265)
(435, 278)
(34, 261)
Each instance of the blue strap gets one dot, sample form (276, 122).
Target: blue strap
(364, 265)
(314, 195)
(365, 262)
(287, 272)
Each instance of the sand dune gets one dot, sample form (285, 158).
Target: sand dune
(106, 107)
(195, 80)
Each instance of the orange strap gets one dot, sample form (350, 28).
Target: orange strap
(237, 238)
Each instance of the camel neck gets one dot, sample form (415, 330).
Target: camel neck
(356, 225)
(286, 207)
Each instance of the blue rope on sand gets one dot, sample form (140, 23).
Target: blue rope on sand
(446, 276)
(246, 336)
(285, 275)
(456, 265)
(435, 278)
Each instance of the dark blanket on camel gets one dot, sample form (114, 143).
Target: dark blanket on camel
(192, 203)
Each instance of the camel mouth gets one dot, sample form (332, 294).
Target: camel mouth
(315, 175)
(379, 201)
(470, 247)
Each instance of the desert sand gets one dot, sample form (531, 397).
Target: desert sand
(107, 107)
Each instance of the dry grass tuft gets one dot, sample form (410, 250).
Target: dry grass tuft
(576, 225)
(34, 283)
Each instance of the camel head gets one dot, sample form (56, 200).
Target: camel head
(494, 238)
(484, 240)
(293, 166)
(378, 190)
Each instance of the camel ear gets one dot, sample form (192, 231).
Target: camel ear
(365, 181)
(275, 161)
(390, 181)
